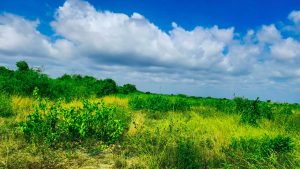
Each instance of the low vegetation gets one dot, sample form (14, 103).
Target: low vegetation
(5, 105)
(81, 122)
(159, 103)
(54, 124)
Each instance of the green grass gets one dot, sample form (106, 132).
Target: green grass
(159, 131)
(159, 143)
(5, 105)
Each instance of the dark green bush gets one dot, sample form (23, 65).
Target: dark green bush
(5, 105)
(56, 125)
(284, 115)
(252, 110)
(222, 105)
(265, 110)
(248, 109)
(106, 87)
(22, 66)
(127, 88)
(158, 103)
(24, 80)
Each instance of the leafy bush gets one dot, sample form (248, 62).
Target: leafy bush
(127, 88)
(22, 66)
(158, 103)
(54, 124)
(222, 105)
(5, 105)
(107, 86)
(252, 110)
(284, 114)
(180, 104)
(23, 81)
(266, 110)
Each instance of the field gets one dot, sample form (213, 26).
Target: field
(202, 136)
(132, 129)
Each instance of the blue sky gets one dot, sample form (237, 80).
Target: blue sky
(206, 48)
(242, 15)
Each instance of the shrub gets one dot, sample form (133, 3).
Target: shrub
(265, 110)
(223, 105)
(106, 87)
(181, 104)
(284, 115)
(252, 110)
(5, 105)
(158, 103)
(22, 66)
(55, 125)
(127, 88)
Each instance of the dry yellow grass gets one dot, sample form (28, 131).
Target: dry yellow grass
(22, 107)
(109, 100)
(113, 100)
(137, 122)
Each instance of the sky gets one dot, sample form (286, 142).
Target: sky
(203, 48)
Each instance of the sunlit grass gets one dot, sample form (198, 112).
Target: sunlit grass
(148, 142)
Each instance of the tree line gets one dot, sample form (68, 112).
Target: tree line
(24, 80)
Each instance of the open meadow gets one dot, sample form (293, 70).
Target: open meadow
(145, 84)
(140, 130)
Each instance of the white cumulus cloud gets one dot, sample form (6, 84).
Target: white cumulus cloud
(295, 16)
(130, 48)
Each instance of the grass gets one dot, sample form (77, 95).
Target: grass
(209, 136)
(203, 136)
(5, 105)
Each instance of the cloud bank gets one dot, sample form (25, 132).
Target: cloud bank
(204, 61)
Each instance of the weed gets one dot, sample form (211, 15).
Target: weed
(54, 124)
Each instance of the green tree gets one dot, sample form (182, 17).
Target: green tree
(106, 87)
(22, 66)
(127, 88)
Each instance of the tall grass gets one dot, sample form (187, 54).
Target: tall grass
(194, 141)
(205, 133)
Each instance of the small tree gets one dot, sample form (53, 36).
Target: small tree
(22, 66)
(127, 88)
(249, 110)
(106, 87)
